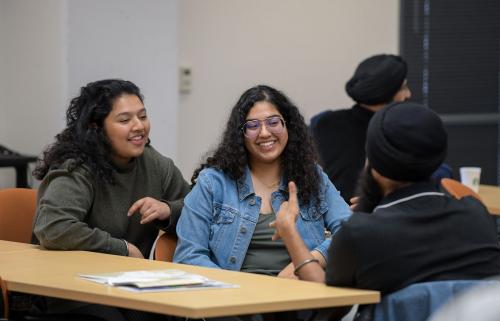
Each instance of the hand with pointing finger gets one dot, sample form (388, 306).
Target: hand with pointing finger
(150, 209)
(287, 214)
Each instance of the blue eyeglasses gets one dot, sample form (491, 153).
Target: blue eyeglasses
(252, 128)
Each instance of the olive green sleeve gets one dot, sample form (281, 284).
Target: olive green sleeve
(65, 200)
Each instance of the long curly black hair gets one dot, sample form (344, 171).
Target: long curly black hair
(84, 139)
(298, 158)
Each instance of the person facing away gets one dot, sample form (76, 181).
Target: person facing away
(405, 229)
(340, 135)
(104, 187)
(238, 191)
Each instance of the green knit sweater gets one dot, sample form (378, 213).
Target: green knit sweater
(78, 212)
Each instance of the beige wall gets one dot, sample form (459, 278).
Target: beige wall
(134, 40)
(50, 48)
(32, 76)
(308, 49)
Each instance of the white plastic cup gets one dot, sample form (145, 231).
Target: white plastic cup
(470, 176)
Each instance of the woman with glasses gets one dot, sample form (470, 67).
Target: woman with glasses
(238, 191)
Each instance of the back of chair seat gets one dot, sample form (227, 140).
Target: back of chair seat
(457, 189)
(4, 300)
(165, 247)
(17, 210)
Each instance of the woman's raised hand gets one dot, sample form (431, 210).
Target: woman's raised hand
(287, 214)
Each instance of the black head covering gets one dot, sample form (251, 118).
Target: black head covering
(406, 142)
(377, 79)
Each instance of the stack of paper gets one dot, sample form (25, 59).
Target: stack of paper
(155, 280)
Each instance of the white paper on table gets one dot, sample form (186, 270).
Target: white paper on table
(155, 280)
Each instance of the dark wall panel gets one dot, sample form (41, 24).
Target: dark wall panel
(453, 51)
(471, 146)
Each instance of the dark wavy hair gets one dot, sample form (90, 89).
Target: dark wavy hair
(84, 139)
(298, 158)
(369, 191)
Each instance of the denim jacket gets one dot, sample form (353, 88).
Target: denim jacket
(220, 215)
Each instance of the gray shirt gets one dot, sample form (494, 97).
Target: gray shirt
(265, 256)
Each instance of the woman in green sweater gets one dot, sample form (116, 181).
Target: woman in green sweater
(104, 188)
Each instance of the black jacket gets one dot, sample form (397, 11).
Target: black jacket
(416, 234)
(340, 138)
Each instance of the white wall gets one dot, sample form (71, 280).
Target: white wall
(308, 49)
(3, 71)
(134, 40)
(50, 48)
(32, 76)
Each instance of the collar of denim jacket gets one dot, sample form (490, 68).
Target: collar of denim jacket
(245, 185)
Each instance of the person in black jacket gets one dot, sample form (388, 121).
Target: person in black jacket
(340, 135)
(405, 229)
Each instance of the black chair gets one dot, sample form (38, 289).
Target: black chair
(10, 158)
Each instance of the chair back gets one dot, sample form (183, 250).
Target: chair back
(458, 190)
(17, 211)
(165, 247)
(416, 302)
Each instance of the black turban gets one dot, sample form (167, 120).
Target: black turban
(406, 142)
(377, 79)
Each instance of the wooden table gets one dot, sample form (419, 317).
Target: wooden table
(491, 198)
(28, 269)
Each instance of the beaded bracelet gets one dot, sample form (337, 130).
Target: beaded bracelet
(126, 244)
(301, 265)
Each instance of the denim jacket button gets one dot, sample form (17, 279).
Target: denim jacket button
(232, 259)
(252, 201)
(243, 230)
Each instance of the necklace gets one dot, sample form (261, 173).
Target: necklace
(272, 185)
